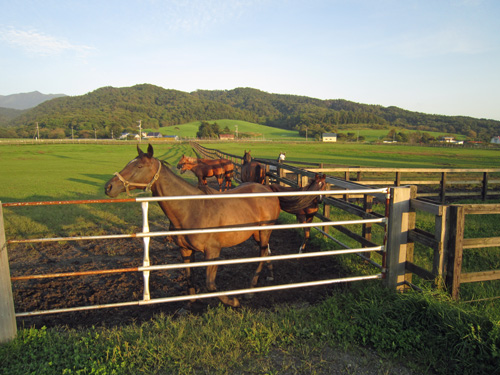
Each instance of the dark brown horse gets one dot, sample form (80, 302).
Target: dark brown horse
(251, 170)
(225, 164)
(202, 171)
(147, 171)
(303, 207)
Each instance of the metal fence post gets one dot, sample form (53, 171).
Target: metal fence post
(8, 327)
(397, 237)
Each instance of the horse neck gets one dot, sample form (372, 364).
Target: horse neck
(169, 184)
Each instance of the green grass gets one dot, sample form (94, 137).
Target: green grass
(426, 330)
(244, 128)
(352, 154)
(262, 132)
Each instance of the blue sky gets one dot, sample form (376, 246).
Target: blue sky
(431, 56)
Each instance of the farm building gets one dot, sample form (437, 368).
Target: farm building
(447, 139)
(170, 138)
(154, 135)
(329, 137)
(495, 140)
(226, 137)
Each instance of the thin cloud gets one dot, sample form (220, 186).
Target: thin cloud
(442, 42)
(198, 16)
(38, 44)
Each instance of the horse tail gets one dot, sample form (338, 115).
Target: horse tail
(294, 204)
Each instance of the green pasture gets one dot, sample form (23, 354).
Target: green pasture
(79, 171)
(426, 331)
(262, 132)
(244, 129)
(366, 155)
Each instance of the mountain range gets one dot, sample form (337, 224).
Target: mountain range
(26, 100)
(110, 110)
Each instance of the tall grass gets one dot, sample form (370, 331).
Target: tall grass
(426, 330)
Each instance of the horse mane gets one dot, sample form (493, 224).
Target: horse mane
(295, 204)
(207, 190)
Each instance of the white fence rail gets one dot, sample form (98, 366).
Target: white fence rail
(146, 267)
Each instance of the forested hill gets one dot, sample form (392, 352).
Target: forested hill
(109, 109)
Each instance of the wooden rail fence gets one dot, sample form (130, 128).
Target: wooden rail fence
(447, 241)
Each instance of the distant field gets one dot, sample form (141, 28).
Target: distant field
(262, 132)
(244, 128)
(354, 154)
(79, 171)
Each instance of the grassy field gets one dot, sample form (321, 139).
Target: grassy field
(352, 154)
(425, 330)
(262, 132)
(244, 129)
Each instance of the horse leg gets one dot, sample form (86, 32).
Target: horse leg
(211, 287)
(220, 180)
(307, 231)
(263, 240)
(187, 257)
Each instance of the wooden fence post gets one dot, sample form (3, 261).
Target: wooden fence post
(397, 237)
(441, 235)
(484, 192)
(267, 174)
(443, 187)
(303, 180)
(8, 327)
(455, 250)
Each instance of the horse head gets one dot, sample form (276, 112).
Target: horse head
(141, 172)
(319, 183)
(185, 163)
(247, 158)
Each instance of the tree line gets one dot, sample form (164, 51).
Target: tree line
(107, 112)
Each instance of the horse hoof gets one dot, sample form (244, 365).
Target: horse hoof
(270, 278)
(249, 295)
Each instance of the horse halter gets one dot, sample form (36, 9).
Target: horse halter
(147, 187)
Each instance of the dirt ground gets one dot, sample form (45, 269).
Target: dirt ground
(63, 292)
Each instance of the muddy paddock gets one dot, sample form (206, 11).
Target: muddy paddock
(63, 292)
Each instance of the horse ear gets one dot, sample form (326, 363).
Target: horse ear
(139, 151)
(150, 151)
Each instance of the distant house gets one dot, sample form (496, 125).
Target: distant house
(495, 140)
(124, 136)
(170, 138)
(329, 137)
(154, 135)
(226, 137)
(448, 139)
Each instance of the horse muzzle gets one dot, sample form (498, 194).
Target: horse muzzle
(110, 191)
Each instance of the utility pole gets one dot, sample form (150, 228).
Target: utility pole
(140, 130)
(72, 134)
(236, 130)
(37, 131)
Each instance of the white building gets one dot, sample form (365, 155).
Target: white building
(329, 137)
(495, 140)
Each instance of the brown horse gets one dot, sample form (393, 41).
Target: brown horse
(251, 170)
(147, 171)
(303, 207)
(202, 171)
(225, 164)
